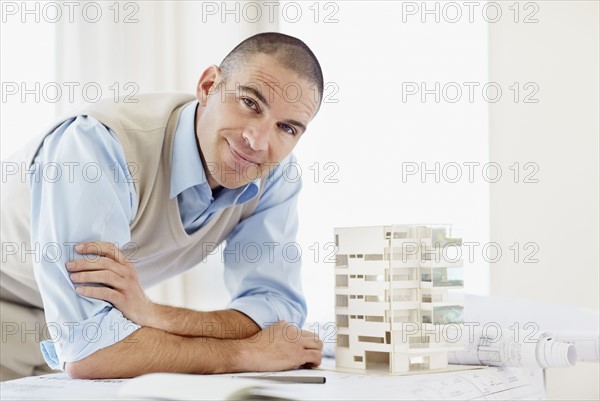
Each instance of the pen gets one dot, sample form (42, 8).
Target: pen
(289, 379)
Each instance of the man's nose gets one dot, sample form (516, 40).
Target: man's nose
(257, 137)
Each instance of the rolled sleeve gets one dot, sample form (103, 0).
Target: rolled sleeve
(262, 258)
(72, 341)
(93, 199)
(266, 309)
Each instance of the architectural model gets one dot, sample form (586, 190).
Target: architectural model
(396, 296)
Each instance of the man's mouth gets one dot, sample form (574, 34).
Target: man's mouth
(242, 159)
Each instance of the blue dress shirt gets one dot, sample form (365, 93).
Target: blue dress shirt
(81, 192)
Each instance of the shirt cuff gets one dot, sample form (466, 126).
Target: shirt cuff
(73, 341)
(267, 310)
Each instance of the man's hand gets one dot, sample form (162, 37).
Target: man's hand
(281, 346)
(117, 273)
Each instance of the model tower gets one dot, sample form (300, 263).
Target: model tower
(396, 300)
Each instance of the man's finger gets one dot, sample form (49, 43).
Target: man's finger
(97, 264)
(102, 248)
(103, 293)
(309, 335)
(311, 343)
(312, 358)
(106, 277)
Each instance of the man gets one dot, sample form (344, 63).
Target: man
(166, 179)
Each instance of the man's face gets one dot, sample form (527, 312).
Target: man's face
(252, 121)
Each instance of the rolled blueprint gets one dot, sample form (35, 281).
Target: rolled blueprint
(587, 344)
(541, 350)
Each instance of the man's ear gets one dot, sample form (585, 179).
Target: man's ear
(207, 83)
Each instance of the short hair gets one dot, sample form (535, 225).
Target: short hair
(291, 52)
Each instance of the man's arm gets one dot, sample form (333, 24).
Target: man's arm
(222, 324)
(278, 347)
(267, 286)
(150, 350)
(85, 196)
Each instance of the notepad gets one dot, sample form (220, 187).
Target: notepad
(181, 387)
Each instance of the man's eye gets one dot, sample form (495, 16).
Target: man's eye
(250, 103)
(288, 129)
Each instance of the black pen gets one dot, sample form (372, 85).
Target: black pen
(289, 379)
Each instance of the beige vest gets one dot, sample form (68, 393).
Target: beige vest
(159, 242)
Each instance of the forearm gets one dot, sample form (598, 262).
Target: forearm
(150, 350)
(221, 324)
(278, 347)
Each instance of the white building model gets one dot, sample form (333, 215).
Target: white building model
(395, 288)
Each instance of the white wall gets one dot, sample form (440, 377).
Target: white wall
(25, 62)
(559, 214)
(370, 55)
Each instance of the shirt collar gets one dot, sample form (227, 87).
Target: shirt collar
(187, 170)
